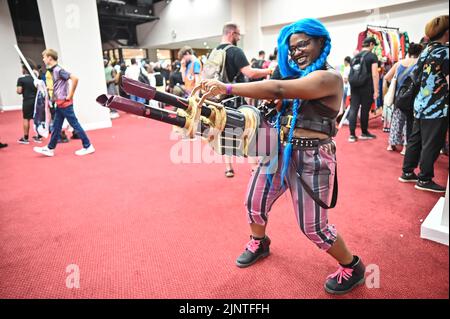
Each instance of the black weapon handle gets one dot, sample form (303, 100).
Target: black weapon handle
(129, 106)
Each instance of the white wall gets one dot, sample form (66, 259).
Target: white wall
(188, 19)
(11, 68)
(344, 29)
(238, 13)
(72, 29)
(275, 12)
(253, 39)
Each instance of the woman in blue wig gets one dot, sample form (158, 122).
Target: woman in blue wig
(311, 95)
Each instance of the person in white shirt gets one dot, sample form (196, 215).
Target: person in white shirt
(133, 72)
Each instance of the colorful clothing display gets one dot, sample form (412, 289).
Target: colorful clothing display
(392, 45)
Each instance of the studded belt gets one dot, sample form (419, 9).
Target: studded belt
(302, 143)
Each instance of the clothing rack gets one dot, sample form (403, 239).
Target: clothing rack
(382, 27)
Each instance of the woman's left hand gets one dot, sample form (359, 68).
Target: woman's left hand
(214, 86)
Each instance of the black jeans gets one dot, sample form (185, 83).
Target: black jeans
(424, 145)
(409, 125)
(361, 97)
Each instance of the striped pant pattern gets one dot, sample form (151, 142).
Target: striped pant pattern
(317, 168)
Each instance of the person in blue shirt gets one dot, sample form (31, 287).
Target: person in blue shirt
(190, 68)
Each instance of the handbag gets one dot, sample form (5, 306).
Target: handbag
(390, 94)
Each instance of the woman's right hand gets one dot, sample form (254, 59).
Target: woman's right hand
(214, 87)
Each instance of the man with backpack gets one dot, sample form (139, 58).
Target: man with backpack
(228, 63)
(364, 82)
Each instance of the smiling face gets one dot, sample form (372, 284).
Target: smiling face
(304, 50)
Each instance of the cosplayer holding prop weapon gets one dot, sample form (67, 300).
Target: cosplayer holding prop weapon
(306, 161)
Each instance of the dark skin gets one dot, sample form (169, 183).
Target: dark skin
(323, 85)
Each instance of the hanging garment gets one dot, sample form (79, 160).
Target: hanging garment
(387, 47)
(361, 37)
(395, 45)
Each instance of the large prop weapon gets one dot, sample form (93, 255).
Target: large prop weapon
(240, 132)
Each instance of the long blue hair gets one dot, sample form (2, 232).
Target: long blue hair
(289, 68)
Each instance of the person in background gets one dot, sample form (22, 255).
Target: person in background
(345, 74)
(63, 98)
(401, 123)
(176, 84)
(122, 70)
(150, 74)
(237, 69)
(430, 109)
(110, 78)
(2, 145)
(273, 60)
(133, 72)
(363, 96)
(259, 63)
(165, 72)
(25, 87)
(190, 68)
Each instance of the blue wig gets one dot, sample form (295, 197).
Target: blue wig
(289, 68)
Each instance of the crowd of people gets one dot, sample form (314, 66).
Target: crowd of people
(363, 77)
(419, 126)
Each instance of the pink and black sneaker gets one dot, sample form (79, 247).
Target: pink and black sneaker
(254, 250)
(346, 278)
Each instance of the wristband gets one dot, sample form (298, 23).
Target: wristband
(229, 89)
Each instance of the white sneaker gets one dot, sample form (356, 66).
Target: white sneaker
(114, 115)
(44, 151)
(85, 151)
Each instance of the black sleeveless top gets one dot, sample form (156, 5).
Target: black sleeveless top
(314, 115)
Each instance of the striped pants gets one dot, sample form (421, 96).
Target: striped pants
(317, 168)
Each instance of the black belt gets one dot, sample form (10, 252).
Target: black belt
(314, 143)
(326, 126)
(305, 143)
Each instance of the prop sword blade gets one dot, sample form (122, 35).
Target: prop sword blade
(25, 62)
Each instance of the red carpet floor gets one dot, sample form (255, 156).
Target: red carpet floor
(139, 226)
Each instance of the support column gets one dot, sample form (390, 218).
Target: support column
(253, 40)
(72, 29)
(11, 68)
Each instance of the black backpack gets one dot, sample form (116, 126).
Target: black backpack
(359, 75)
(258, 64)
(143, 78)
(407, 92)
